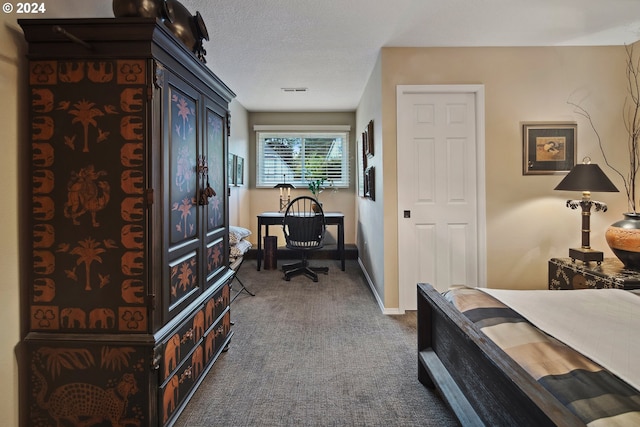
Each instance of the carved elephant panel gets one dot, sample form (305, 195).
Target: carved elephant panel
(44, 290)
(131, 128)
(100, 72)
(43, 235)
(42, 154)
(42, 181)
(43, 208)
(169, 398)
(132, 236)
(70, 72)
(103, 318)
(72, 317)
(198, 326)
(209, 345)
(133, 263)
(197, 361)
(132, 181)
(42, 100)
(171, 354)
(131, 154)
(42, 128)
(132, 291)
(210, 312)
(131, 209)
(131, 100)
(44, 262)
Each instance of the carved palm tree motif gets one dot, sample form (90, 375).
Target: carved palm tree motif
(183, 277)
(185, 169)
(215, 257)
(84, 114)
(184, 112)
(88, 251)
(186, 276)
(185, 213)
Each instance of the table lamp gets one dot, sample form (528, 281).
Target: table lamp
(284, 202)
(586, 177)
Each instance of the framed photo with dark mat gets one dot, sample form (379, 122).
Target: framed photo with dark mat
(548, 148)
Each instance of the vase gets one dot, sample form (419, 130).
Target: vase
(623, 238)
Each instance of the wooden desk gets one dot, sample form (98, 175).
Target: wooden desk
(275, 218)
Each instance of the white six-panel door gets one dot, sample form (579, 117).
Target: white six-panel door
(440, 188)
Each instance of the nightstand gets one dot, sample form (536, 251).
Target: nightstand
(564, 273)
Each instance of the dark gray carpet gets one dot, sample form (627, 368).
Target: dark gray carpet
(315, 354)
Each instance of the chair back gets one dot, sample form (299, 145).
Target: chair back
(304, 224)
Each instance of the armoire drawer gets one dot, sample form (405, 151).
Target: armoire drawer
(180, 343)
(193, 366)
(191, 331)
(216, 305)
(179, 385)
(216, 338)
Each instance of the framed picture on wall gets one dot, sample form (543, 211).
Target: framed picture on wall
(369, 143)
(370, 183)
(231, 169)
(548, 148)
(239, 170)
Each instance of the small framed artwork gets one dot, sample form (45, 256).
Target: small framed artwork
(239, 170)
(370, 183)
(369, 144)
(231, 169)
(548, 148)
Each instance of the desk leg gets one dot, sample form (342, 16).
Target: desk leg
(341, 243)
(259, 253)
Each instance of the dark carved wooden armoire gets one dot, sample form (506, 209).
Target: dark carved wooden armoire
(126, 297)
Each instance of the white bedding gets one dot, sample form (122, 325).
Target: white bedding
(602, 324)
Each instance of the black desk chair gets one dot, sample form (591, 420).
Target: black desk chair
(304, 227)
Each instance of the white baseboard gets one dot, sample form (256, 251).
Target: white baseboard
(385, 310)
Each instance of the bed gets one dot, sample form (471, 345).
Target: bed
(485, 386)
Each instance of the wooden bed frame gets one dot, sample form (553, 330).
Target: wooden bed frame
(481, 384)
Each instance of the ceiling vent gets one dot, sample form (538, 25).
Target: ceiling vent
(294, 89)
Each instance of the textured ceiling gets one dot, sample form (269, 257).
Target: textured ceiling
(258, 47)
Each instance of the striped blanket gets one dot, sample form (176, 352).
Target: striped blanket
(596, 396)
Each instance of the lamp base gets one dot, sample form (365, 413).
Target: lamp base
(586, 255)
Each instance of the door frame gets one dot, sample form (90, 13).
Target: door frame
(478, 92)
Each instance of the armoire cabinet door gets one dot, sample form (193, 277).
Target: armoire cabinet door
(197, 247)
(183, 267)
(216, 209)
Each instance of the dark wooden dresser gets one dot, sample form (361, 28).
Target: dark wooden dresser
(126, 297)
(564, 273)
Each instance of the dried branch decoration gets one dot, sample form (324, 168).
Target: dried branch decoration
(631, 119)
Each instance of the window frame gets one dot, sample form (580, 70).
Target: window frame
(297, 130)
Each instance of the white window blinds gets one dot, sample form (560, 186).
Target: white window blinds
(302, 155)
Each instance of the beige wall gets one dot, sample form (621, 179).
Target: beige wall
(239, 196)
(372, 226)
(11, 66)
(527, 222)
(262, 199)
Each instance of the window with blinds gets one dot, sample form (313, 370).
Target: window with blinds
(298, 157)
